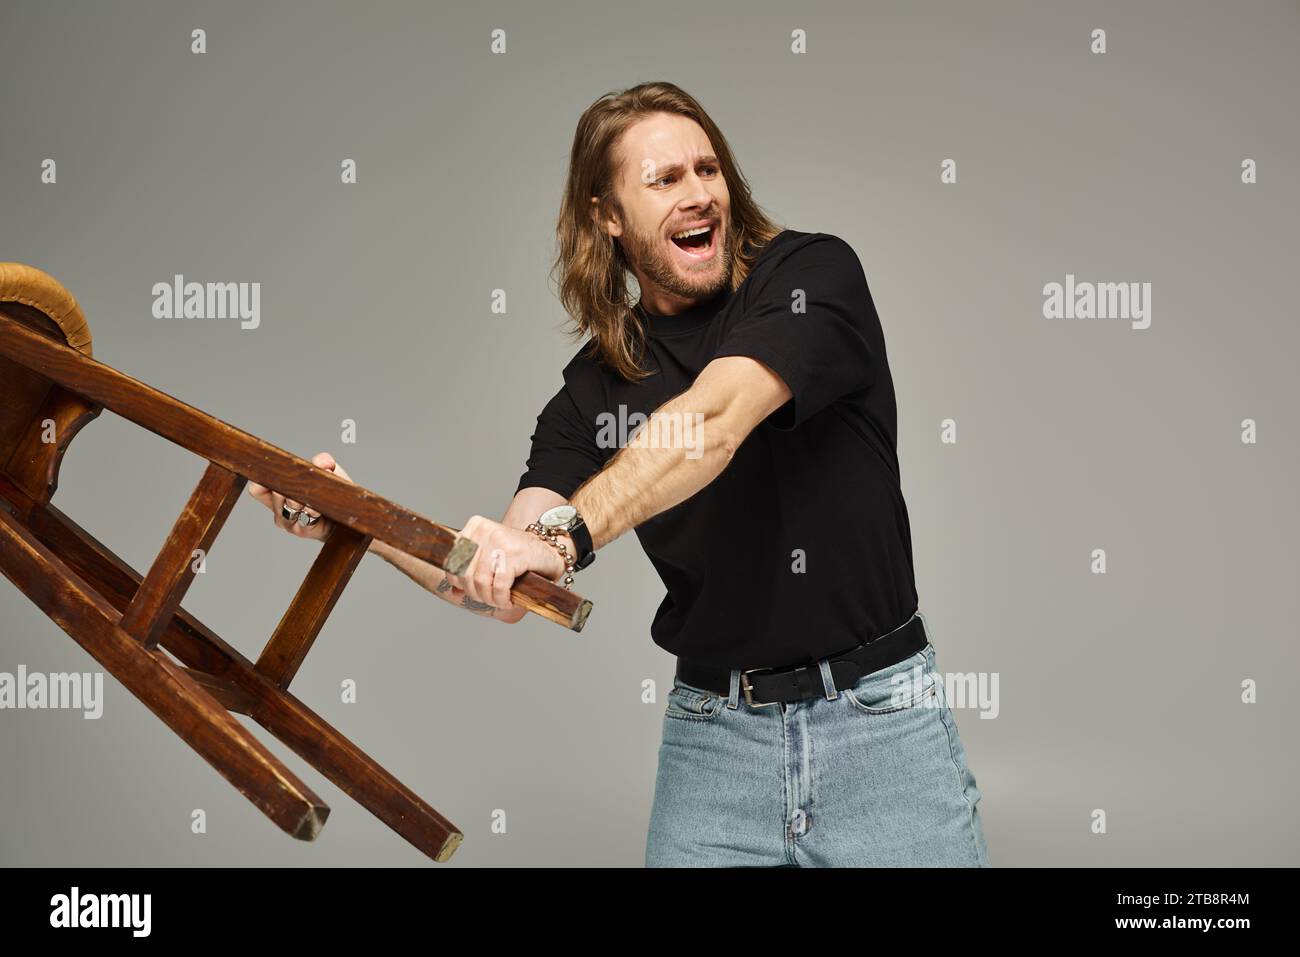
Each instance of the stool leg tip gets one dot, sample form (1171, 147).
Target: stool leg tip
(311, 824)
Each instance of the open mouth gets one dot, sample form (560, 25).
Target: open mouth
(697, 243)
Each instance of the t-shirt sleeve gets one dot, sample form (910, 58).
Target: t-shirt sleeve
(818, 342)
(564, 452)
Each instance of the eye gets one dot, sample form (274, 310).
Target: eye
(710, 170)
(663, 179)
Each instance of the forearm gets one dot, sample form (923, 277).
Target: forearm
(426, 575)
(652, 474)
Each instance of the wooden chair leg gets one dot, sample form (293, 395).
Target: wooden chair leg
(232, 697)
(252, 693)
(352, 770)
(161, 685)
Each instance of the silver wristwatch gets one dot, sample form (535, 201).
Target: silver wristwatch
(566, 518)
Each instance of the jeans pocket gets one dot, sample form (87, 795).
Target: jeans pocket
(902, 686)
(688, 703)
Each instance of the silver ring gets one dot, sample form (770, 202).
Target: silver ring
(288, 514)
(307, 520)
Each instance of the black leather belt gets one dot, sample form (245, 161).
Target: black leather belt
(768, 686)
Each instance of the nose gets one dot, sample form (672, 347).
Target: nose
(697, 194)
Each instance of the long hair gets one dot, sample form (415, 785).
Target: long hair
(592, 269)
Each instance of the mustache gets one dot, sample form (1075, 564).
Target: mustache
(713, 217)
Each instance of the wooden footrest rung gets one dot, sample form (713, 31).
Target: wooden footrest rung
(196, 528)
(306, 614)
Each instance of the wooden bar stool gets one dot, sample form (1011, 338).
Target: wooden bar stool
(134, 626)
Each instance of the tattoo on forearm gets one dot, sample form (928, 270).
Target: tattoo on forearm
(466, 601)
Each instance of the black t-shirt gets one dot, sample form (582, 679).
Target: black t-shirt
(801, 547)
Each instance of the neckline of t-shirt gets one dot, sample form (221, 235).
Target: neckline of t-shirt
(683, 323)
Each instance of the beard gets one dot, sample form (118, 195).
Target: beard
(648, 252)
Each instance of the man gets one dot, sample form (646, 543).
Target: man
(807, 724)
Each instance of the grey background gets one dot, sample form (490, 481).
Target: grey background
(1118, 692)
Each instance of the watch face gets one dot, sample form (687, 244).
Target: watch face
(559, 517)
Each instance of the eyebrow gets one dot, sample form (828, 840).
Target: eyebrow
(677, 167)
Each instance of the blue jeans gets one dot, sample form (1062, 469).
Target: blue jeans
(869, 776)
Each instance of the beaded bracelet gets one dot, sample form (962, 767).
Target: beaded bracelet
(548, 535)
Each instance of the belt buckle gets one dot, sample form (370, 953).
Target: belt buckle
(749, 689)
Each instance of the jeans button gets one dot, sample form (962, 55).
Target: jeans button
(799, 821)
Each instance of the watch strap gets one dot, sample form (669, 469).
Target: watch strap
(582, 544)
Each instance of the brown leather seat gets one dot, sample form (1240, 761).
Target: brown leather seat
(29, 402)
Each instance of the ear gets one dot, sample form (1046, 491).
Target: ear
(609, 224)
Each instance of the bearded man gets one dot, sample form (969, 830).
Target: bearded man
(807, 723)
